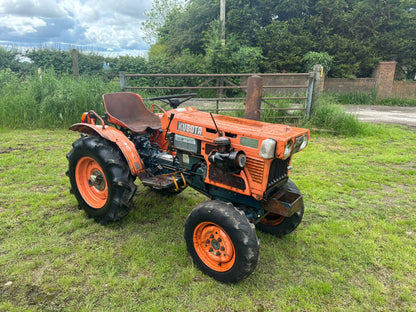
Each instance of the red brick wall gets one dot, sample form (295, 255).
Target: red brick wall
(404, 89)
(342, 85)
(382, 81)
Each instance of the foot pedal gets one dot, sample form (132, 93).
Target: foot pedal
(160, 182)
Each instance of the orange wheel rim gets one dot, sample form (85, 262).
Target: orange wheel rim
(91, 182)
(272, 219)
(214, 247)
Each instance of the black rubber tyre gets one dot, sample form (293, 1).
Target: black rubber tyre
(221, 241)
(100, 179)
(278, 225)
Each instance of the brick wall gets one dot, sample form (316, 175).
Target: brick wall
(404, 89)
(382, 82)
(349, 85)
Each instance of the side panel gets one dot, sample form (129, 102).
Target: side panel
(112, 134)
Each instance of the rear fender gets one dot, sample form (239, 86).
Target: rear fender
(125, 145)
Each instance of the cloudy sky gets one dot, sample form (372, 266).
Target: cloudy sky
(97, 25)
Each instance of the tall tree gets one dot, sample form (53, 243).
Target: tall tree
(157, 17)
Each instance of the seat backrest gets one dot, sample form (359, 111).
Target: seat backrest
(128, 110)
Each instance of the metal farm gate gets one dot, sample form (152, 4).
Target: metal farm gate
(280, 96)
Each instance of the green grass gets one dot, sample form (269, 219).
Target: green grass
(354, 251)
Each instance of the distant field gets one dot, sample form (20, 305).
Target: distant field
(354, 251)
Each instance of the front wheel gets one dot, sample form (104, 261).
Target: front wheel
(221, 241)
(100, 179)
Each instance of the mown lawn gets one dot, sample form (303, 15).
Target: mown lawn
(354, 251)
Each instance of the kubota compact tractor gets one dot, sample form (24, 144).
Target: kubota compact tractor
(241, 165)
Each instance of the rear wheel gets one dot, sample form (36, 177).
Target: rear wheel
(100, 179)
(278, 225)
(221, 241)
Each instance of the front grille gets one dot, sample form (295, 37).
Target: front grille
(256, 169)
(278, 171)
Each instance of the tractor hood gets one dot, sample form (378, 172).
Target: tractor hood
(252, 136)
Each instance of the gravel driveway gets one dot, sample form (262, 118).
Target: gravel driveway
(405, 116)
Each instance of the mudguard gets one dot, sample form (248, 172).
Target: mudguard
(112, 134)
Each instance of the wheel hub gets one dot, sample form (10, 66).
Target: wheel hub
(214, 246)
(91, 182)
(97, 180)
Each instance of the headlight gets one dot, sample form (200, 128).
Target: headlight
(300, 143)
(268, 149)
(305, 142)
(288, 149)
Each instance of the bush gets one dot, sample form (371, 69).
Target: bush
(312, 58)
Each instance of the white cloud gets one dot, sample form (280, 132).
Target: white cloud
(102, 24)
(21, 25)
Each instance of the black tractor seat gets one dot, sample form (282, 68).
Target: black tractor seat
(127, 110)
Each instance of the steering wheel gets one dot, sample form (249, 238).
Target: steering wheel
(174, 100)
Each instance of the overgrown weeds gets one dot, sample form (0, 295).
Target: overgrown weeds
(48, 101)
(333, 117)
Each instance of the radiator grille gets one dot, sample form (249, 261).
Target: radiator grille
(278, 171)
(256, 169)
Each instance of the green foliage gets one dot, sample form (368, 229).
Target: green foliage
(12, 59)
(357, 34)
(90, 64)
(230, 57)
(218, 55)
(60, 60)
(361, 98)
(248, 59)
(157, 16)
(8, 58)
(312, 58)
(186, 29)
(396, 102)
(129, 64)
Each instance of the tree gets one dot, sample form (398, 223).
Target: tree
(157, 17)
(356, 33)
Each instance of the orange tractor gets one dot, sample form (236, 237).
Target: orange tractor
(241, 165)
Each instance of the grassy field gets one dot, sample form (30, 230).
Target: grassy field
(354, 251)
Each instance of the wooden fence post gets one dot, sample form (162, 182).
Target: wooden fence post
(253, 97)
